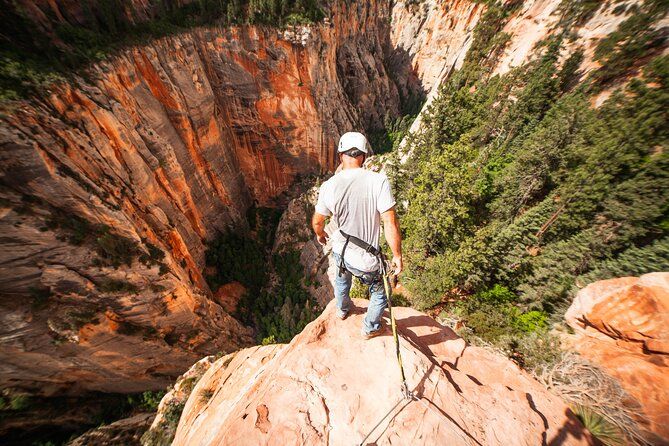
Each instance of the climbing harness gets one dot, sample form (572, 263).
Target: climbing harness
(360, 244)
(388, 290)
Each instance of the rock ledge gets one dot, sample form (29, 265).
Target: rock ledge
(329, 386)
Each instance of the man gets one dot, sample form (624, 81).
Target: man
(358, 199)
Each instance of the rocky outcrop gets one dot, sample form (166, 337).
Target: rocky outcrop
(162, 429)
(623, 326)
(329, 386)
(125, 432)
(430, 40)
(294, 233)
(538, 19)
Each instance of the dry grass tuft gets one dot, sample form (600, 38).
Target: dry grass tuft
(597, 398)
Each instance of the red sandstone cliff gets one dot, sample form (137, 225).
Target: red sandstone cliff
(165, 144)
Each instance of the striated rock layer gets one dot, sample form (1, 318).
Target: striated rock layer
(329, 386)
(623, 325)
(162, 146)
(434, 37)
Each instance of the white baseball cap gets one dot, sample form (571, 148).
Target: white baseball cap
(353, 140)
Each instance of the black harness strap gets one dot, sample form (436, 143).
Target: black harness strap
(360, 244)
(342, 267)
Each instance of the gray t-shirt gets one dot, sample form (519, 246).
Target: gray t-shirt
(356, 198)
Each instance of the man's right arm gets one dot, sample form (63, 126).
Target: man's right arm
(318, 225)
(321, 213)
(391, 229)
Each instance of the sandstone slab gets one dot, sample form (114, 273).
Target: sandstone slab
(623, 325)
(125, 432)
(329, 386)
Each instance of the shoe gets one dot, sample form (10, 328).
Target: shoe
(342, 314)
(371, 335)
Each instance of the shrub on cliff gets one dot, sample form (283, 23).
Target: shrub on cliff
(116, 250)
(284, 307)
(147, 401)
(277, 302)
(493, 315)
(619, 52)
(517, 191)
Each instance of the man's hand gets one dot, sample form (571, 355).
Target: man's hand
(397, 265)
(323, 238)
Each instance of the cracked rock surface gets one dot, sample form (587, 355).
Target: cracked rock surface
(622, 325)
(329, 386)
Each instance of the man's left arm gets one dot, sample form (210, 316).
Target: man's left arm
(391, 229)
(391, 224)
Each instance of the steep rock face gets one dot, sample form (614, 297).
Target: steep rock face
(164, 425)
(623, 325)
(84, 338)
(538, 19)
(294, 233)
(329, 386)
(434, 37)
(164, 145)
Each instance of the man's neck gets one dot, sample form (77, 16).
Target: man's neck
(350, 164)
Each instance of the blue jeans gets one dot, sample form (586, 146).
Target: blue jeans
(377, 300)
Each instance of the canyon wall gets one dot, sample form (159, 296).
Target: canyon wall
(111, 183)
(433, 36)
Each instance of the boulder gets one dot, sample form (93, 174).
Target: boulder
(228, 296)
(623, 326)
(125, 432)
(330, 386)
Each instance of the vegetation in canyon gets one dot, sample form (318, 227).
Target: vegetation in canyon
(100, 409)
(518, 190)
(276, 301)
